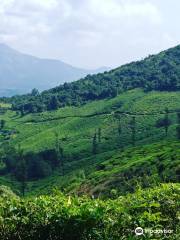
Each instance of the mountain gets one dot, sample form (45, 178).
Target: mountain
(20, 73)
(159, 72)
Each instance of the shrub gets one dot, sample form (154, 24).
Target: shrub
(60, 217)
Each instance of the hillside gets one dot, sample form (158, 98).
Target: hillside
(20, 73)
(111, 122)
(80, 123)
(158, 72)
(96, 158)
(125, 170)
(78, 144)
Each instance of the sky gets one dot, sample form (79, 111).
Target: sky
(90, 33)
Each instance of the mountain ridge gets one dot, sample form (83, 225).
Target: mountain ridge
(20, 73)
(160, 72)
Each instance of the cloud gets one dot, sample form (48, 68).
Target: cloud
(99, 22)
(43, 4)
(87, 32)
(117, 9)
(120, 10)
(30, 19)
(5, 4)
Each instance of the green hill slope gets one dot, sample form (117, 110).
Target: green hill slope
(77, 126)
(144, 166)
(116, 172)
(72, 129)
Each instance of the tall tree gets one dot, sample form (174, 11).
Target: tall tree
(60, 152)
(117, 118)
(164, 122)
(99, 135)
(167, 121)
(2, 124)
(119, 127)
(21, 170)
(35, 92)
(94, 144)
(54, 103)
(22, 111)
(133, 130)
(178, 126)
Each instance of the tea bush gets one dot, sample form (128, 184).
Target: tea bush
(72, 218)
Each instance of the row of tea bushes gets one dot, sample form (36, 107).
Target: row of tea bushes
(73, 218)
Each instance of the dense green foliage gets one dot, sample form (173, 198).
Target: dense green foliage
(87, 136)
(140, 166)
(6, 192)
(158, 72)
(38, 165)
(60, 217)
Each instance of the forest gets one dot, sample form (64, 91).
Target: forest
(157, 72)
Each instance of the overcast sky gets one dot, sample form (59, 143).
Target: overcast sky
(90, 33)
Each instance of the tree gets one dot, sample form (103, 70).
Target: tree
(178, 118)
(99, 135)
(2, 124)
(94, 144)
(167, 121)
(117, 118)
(119, 127)
(37, 165)
(178, 126)
(54, 103)
(60, 152)
(35, 92)
(164, 122)
(22, 111)
(9, 157)
(178, 132)
(21, 170)
(133, 130)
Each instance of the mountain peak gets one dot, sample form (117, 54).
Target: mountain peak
(4, 46)
(24, 72)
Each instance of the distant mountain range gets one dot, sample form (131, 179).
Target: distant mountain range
(20, 73)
